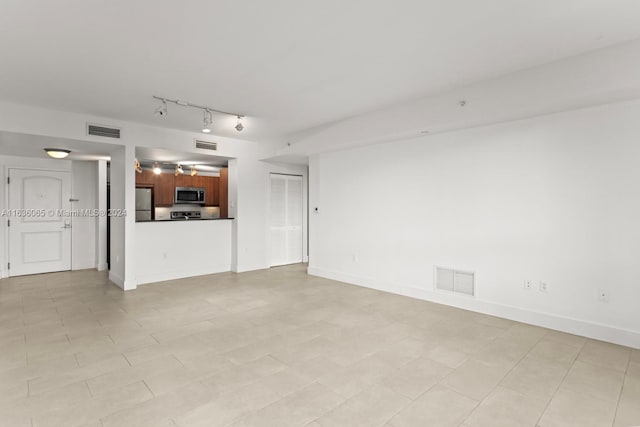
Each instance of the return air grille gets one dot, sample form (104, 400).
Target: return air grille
(448, 279)
(206, 145)
(103, 131)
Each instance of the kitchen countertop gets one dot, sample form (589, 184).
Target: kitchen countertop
(187, 220)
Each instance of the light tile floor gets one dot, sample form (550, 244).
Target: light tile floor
(279, 348)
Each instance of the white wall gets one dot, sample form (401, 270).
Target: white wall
(554, 198)
(83, 232)
(169, 250)
(117, 232)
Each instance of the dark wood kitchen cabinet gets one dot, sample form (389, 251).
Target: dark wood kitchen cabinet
(211, 186)
(164, 190)
(145, 179)
(164, 187)
(223, 192)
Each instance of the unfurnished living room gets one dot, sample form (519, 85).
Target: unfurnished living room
(322, 214)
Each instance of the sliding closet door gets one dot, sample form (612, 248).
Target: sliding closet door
(285, 219)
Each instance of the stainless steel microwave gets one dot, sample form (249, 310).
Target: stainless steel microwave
(189, 195)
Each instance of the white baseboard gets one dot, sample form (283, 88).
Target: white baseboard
(546, 320)
(245, 268)
(116, 279)
(102, 267)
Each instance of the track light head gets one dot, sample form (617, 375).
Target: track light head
(179, 170)
(138, 167)
(161, 111)
(156, 168)
(207, 121)
(239, 126)
(194, 172)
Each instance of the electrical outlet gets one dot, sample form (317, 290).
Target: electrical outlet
(603, 295)
(544, 286)
(528, 284)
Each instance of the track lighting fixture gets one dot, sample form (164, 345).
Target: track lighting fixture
(138, 167)
(161, 111)
(57, 153)
(207, 121)
(239, 126)
(156, 168)
(179, 170)
(194, 172)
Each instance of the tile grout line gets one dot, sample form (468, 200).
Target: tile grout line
(498, 385)
(560, 383)
(626, 370)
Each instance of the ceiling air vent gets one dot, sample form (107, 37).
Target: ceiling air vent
(103, 131)
(206, 145)
(448, 279)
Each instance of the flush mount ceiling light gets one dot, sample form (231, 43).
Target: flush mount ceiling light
(179, 170)
(156, 168)
(207, 121)
(161, 111)
(239, 126)
(57, 153)
(208, 112)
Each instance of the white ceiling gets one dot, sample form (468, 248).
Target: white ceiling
(289, 65)
(17, 144)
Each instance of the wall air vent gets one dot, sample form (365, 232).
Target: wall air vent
(103, 131)
(206, 145)
(449, 279)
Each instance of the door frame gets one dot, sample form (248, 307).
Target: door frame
(7, 169)
(304, 216)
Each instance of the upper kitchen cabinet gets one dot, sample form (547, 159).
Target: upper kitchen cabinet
(164, 189)
(145, 179)
(211, 186)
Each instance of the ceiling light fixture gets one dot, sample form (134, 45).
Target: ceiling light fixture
(207, 121)
(156, 168)
(208, 112)
(239, 126)
(138, 167)
(161, 111)
(179, 170)
(57, 153)
(194, 172)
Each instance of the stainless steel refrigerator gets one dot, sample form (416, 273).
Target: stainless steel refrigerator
(144, 204)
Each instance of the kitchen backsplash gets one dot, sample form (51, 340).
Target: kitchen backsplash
(164, 214)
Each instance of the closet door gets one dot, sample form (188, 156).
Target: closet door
(285, 219)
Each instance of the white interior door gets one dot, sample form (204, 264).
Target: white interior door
(39, 238)
(285, 219)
